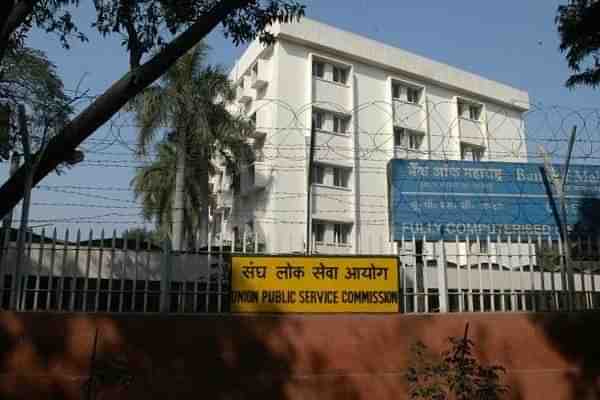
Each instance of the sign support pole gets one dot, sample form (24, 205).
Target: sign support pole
(443, 278)
(560, 184)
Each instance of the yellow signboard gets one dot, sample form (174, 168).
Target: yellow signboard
(317, 284)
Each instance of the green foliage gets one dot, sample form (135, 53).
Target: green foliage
(154, 185)
(455, 374)
(147, 24)
(189, 104)
(579, 31)
(28, 78)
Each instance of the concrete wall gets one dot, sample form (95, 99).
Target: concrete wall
(47, 356)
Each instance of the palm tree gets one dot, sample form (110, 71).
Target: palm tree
(190, 101)
(154, 184)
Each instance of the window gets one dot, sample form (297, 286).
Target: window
(242, 83)
(471, 153)
(318, 174)
(318, 231)
(469, 110)
(396, 90)
(317, 119)
(255, 69)
(341, 233)
(253, 118)
(479, 248)
(474, 112)
(341, 177)
(410, 94)
(413, 95)
(484, 247)
(340, 74)
(340, 124)
(318, 69)
(407, 138)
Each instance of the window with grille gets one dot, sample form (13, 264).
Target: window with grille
(409, 94)
(470, 111)
(341, 177)
(340, 75)
(413, 95)
(340, 124)
(341, 233)
(318, 231)
(318, 174)
(471, 153)
(408, 139)
(318, 119)
(318, 69)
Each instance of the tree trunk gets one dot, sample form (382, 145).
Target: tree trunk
(110, 102)
(204, 223)
(178, 208)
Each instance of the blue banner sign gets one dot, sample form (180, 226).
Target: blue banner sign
(446, 199)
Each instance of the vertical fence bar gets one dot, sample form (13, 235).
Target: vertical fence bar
(563, 275)
(530, 256)
(580, 300)
(113, 244)
(443, 279)
(554, 293)
(404, 277)
(75, 271)
(521, 299)
(416, 276)
(4, 254)
(461, 299)
(124, 258)
(147, 276)
(63, 270)
(51, 271)
(39, 270)
(165, 283)
(136, 259)
(501, 274)
(221, 271)
(542, 268)
(480, 271)
(99, 271)
(423, 267)
(497, 246)
(26, 270)
(468, 260)
(88, 263)
(511, 272)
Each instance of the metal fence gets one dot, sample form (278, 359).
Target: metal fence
(131, 274)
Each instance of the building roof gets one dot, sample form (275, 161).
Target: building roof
(325, 37)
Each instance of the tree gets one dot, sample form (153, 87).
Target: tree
(579, 31)
(154, 185)
(191, 101)
(141, 23)
(31, 80)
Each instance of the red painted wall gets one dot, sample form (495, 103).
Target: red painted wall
(47, 356)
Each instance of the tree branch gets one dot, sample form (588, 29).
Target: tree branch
(17, 16)
(111, 101)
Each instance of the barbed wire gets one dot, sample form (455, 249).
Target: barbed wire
(505, 138)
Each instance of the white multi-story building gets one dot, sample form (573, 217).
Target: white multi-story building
(369, 102)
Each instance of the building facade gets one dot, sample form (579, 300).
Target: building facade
(368, 103)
